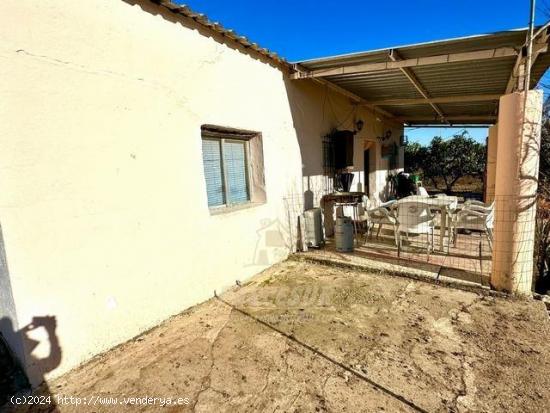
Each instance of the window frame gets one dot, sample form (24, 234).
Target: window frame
(223, 135)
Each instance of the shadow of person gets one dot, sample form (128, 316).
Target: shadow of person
(26, 351)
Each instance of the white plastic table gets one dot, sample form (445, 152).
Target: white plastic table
(442, 203)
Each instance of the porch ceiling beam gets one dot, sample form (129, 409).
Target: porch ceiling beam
(447, 99)
(463, 119)
(405, 63)
(394, 56)
(518, 71)
(515, 75)
(456, 125)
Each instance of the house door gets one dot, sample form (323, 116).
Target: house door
(366, 170)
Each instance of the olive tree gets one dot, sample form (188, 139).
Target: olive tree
(448, 160)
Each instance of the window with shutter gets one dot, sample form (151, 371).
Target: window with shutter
(226, 167)
(213, 171)
(234, 160)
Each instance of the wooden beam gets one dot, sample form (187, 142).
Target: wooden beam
(447, 99)
(514, 75)
(463, 118)
(394, 56)
(359, 100)
(405, 63)
(460, 125)
(517, 76)
(515, 81)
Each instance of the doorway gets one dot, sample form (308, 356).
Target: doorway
(366, 170)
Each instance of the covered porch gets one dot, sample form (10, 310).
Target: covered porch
(484, 80)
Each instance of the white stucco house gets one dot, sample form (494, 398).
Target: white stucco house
(150, 157)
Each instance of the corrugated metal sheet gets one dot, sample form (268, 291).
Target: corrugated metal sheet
(410, 110)
(511, 38)
(469, 109)
(377, 85)
(482, 77)
(454, 79)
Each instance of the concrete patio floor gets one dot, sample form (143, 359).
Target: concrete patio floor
(468, 262)
(471, 252)
(306, 337)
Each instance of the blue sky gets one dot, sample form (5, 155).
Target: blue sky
(307, 29)
(425, 135)
(299, 30)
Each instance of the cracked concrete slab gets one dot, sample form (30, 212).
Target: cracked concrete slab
(305, 337)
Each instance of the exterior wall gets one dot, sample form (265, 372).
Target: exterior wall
(102, 196)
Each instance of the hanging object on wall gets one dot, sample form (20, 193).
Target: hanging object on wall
(338, 148)
(385, 136)
(391, 152)
(387, 150)
(342, 144)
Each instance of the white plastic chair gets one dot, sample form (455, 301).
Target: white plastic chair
(422, 191)
(476, 205)
(475, 217)
(415, 218)
(475, 202)
(378, 215)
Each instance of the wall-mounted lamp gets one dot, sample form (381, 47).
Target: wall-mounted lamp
(359, 125)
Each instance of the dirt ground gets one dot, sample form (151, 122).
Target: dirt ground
(468, 184)
(305, 337)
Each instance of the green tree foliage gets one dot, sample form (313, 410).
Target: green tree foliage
(415, 157)
(449, 160)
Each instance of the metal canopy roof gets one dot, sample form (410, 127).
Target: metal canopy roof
(455, 81)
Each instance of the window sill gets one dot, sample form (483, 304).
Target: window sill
(234, 208)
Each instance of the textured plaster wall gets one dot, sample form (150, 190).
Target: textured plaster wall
(102, 195)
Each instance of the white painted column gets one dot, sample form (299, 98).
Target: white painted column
(515, 191)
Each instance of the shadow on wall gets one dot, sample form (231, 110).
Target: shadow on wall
(38, 336)
(312, 117)
(33, 349)
(316, 110)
